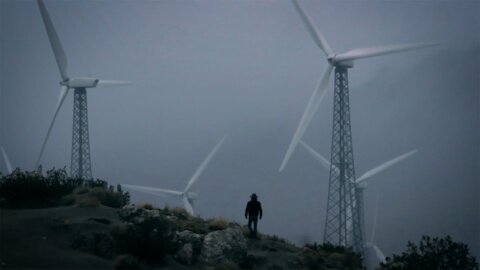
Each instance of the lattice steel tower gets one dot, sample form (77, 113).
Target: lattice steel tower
(80, 162)
(342, 224)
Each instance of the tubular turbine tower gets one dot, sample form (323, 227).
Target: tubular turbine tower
(343, 223)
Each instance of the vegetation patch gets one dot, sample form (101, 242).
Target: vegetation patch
(433, 254)
(34, 189)
(217, 224)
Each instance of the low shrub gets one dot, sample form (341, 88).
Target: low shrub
(147, 206)
(149, 238)
(319, 256)
(180, 213)
(194, 224)
(217, 224)
(433, 254)
(227, 265)
(33, 189)
(88, 201)
(69, 199)
(100, 244)
(127, 262)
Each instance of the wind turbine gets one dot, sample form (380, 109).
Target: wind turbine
(186, 195)
(342, 224)
(371, 244)
(80, 161)
(8, 165)
(361, 185)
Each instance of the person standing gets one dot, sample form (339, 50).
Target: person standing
(253, 212)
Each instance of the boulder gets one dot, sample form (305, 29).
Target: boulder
(227, 245)
(185, 254)
(136, 214)
(189, 244)
(186, 236)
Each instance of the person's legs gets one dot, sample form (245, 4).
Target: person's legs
(255, 220)
(250, 220)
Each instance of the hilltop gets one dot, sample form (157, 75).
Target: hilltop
(142, 237)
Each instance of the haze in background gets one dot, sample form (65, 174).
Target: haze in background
(203, 69)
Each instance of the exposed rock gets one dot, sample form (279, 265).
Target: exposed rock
(223, 246)
(185, 254)
(136, 214)
(187, 236)
(190, 246)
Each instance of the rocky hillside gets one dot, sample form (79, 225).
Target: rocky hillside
(142, 237)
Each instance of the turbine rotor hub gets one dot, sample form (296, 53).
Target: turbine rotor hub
(331, 58)
(64, 82)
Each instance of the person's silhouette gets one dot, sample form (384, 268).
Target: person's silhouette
(253, 212)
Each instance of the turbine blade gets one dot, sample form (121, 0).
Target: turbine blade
(384, 166)
(188, 205)
(307, 116)
(203, 165)
(312, 29)
(108, 83)
(7, 161)
(325, 163)
(375, 217)
(57, 48)
(61, 99)
(376, 51)
(153, 191)
(379, 253)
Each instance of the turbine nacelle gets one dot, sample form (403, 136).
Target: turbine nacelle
(191, 195)
(362, 185)
(80, 82)
(332, 59)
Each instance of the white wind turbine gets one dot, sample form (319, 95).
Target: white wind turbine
(334, 60)
(371, 244)
(361, 186)
(67, 83)
(8, 165)
(187, 196)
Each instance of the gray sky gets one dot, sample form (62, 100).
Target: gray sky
(202, 69)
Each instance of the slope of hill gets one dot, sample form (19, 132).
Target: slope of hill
(100, 237)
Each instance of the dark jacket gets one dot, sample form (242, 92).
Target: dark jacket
(254, 209)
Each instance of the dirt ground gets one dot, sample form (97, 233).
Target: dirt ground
(37, 238)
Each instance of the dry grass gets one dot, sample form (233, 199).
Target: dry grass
(147, 206)
(88, 201)
(81, 190)
(180, 213)
(217, 224)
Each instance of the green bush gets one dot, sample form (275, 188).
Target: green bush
(320, 256)
(149, 238)
(24, 189)
(433, 254)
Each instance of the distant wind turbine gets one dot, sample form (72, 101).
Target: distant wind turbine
(80, 162)
(7, 161)
(342, 222)
(371, 244)
(187, 196)
(361, 186)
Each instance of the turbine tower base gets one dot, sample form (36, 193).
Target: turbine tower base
(342, 224)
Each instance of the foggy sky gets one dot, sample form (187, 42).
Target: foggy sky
(203, 69)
